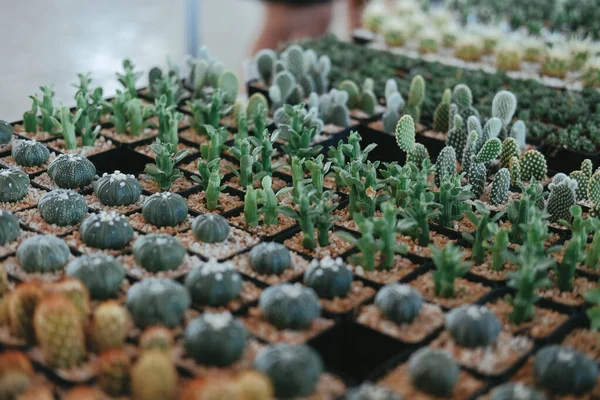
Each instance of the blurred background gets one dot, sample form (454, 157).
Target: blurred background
(50, 41)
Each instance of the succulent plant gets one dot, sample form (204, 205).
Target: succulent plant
(21, 306)
(106, 230)
(473, 326)
(100, 273)
(158, 252)
(363, 183)
(486, 228)
(69, 171)
(477, 177)
(113, 367)
(520, 211)
(74, 290)
(294, 370)
(167, 85)
(264, 62)
(333, 108)
(445, 165)
(533, 165)
(157, 301)
(562, 197)
(452, 199)
(213, 283)
(30, 153)
(416, 97)
(296, 118)
(17, 374)
(157, 337)
(268, 258)
(416, 215)
(55, 314)
(163, 171)
(32, 122)
(329, 278)
(405, 133)
(277, 302)
(215, 339)
(509, 391)
(62, 207)
(6, 132)
(399, 303)
(117, 189)
(43, 253)
(9, 227)
(370, 391)
(153, 377)
(565, 371)
(556, 62)
(208, 110)
(285, 90)
(433, 372)
(210, 228)
(108, 327)
(165, 209)
(592, 297)
(129, 77)
(504, 106)
(592, 259)
(394, 106)
(449, 266)
(500, 186)
(14, 184)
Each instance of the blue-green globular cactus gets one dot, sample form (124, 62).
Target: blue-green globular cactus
(29, 153)
(445, 165)
(565, 371)
(102, 274)
(277, 303)
(213, 283)
(518, 390)
(210, 228)
(14, 185)
(329, 278)
(399, 302)
(62, 207)
(370, 391)
(70, 171)
(562, 197)
(500, 186)
(270, 258)
(433, 371)
(106, 230)
(165, 209)
(117, 189)
(157, 252)
(215, 339)
(43, 253)
(473, 326)
(9, 227)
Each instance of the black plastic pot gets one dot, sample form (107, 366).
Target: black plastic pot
(565, 160)
(120, 159)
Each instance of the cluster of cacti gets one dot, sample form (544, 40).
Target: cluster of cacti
(333, 108)
(360, 98)
(394, 105)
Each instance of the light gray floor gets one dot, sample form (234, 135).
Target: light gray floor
(49, 41)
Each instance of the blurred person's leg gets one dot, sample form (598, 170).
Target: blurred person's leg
(287, 20)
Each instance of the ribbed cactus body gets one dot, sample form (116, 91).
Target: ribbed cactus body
(21, 307)
(109, 326)
(500, 187)
(153, 377)
(59, 332)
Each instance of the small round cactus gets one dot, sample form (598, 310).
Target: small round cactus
(370, 391)
(433, 371)
(55, 314)
(294, 370)
(62, 207)
(213, 283)
(43, 253)
(158, 252)
(290, 306)
(165, 209)
(109, 326)
(210, 228)
(117, 189)
(329, 278)
(30, 153)
(511, 391)
(269, 258)
(399, 302)
(565, 371)
(106, 230)
(70, 171)
(74, 290)
(157, 337)
(112, 369)
(500, 186)
(215, 339)
(533, 165)
(20, 308)
(6, 132)
(473, 326)
(14, 184)
(157, 301)
(102, 274)
(153, 377)
(9, 227)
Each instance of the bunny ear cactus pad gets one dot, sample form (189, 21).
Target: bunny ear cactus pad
(533, 165)
(473, 326)
(211, 228)
(265, 64)
(165, 209)
(213, 283)
(9, 227)
(510, 149)
(157, 252)
(399, 303)
(43, 253)
(418, 154)
(445, 165)
(587, 167)
(329, 278)
(117, 189)
(514, 167)
(504, 106)
(518, 131)
(353, 93)
(14, 184)
(565, 371)
(500, 187)
(157, 301)
(442, 112)
(433, 371)
(405, 133)
(582, 184)
(229, 84)
(215, 339)
(69, 171)
(594, 189)
(562, 197)
(106, 230)
(294, 370)
(100, 273)
(30, 153)
(256, 103)
(62, 207)
(457, 135)
(277, 302)
(490, 151)
(416, 97)
(477, 178)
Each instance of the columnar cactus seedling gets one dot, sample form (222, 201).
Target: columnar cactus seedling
(108, 327)
(416, 97)
(129, 77)
(163, 171)
(449, 266)
(574, 255)
(56, 314)
(592, 259)
(441, 115)
(433, 372)
(473, 326)
(45, 106)
(477, 178)
(565, 371)
(468, 156)
(526, 280)
(486, 227)
(500, 186)
(76, 292)
(153, 377)
(22, 303)
(452, 199)
(290, 306)
(113, 371)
